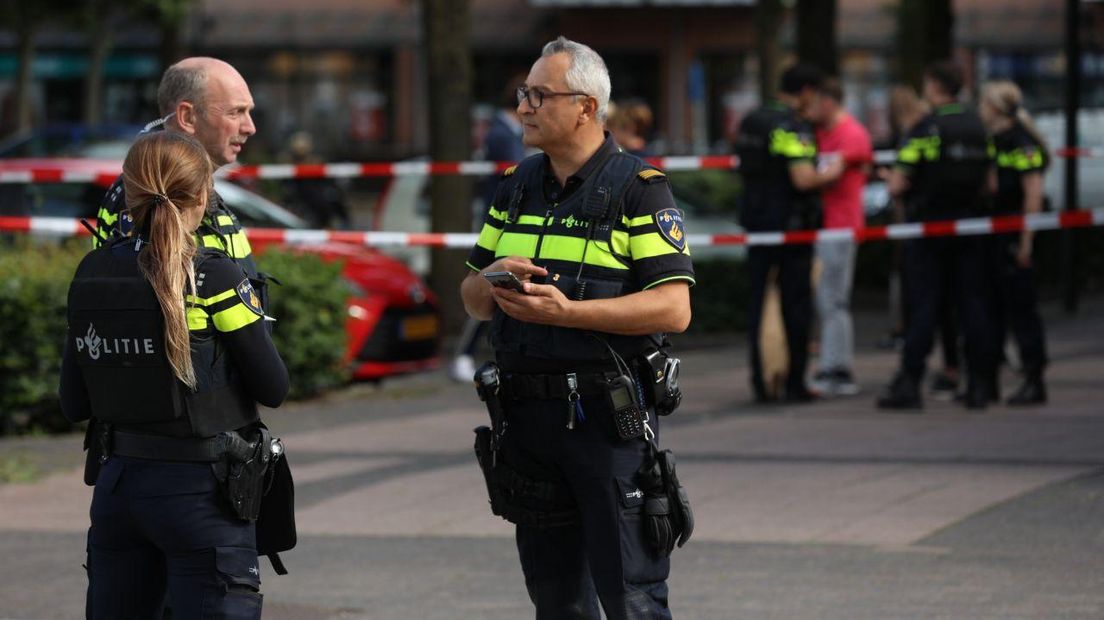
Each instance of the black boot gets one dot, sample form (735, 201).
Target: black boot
(977, 392)
(902, 393)
(1031, 392)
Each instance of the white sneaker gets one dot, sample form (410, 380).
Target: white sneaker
(462, 369)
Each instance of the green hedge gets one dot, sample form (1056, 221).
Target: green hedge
(34, 281)
(310, 310)
(719, 299)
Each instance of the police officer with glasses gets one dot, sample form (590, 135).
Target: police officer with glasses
(167, 349)
(582, 267)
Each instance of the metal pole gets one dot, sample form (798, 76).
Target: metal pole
(1070, 255)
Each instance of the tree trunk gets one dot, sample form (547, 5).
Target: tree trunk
(23, 79)
(768, 22)
(925, 34)
(100, 40)
(445, 32)
(816, 35)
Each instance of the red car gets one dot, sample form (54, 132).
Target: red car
(393, 325)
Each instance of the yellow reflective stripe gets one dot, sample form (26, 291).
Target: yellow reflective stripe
(210, 301)
(197, 318)
(234, 318)
(619, 242)
(496, 214)
(472, 267)
(919, 148)
(488, 237)
(516, 244)
(559, 247)
(238, 242)
(533, 220)
(643, 220)
(1020, 160)
(224, 220)
(788, 144)
(107, 217)
(651, 244)
(692, 281)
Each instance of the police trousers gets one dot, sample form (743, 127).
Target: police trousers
(160, 525)
(935, 269)
(1016, 305)
(794, 263)
(603, 558)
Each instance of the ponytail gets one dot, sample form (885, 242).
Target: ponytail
(166, 176)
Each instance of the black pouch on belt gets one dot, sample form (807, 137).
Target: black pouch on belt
(668, 518)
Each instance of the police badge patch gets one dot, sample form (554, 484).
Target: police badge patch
(671, 227)
(249, 297)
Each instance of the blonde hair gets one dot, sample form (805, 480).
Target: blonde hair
(1007, 100)
(165, 175)
(906, 108)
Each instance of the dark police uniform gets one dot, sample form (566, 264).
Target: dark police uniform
(946, 158)
(1017, 154)
(220, 228)
(772, 139)
(159, 517)
(638, 243)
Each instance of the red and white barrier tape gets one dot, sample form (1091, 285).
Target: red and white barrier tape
(63, 227)
(354, 170)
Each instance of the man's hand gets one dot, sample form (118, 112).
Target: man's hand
(540, 303)
(477, 293)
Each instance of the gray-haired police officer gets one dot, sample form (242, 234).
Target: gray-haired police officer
(595, 238)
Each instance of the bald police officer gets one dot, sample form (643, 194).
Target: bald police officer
(594, 236)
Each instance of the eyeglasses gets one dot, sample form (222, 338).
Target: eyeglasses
(536, 97)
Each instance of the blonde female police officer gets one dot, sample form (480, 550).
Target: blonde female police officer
(167, 349)
(604, 271)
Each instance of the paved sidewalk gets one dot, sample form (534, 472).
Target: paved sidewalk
(829, 510)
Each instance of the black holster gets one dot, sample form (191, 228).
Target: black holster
(513, 496)
(246, 470)
(668, 518)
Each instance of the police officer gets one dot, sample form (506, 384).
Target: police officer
(206, 98)
(941, 173)
(778, 163)
(595, 238)
(167, 349)
(1021, 160)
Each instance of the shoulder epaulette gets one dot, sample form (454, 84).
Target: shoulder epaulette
(507, 172)
(650, 175)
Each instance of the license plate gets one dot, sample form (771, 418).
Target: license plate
(418, 328)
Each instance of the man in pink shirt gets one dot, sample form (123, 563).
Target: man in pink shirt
(839, 136)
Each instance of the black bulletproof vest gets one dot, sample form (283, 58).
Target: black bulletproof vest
(953, 184)
(770, 202)
(597, 202)
(116, 330)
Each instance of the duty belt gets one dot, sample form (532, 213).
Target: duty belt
(162, 448)
(552, 387)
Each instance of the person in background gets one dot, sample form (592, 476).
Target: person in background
(941, 174)
(906, 109)
(1021, 161)
(502, 143)
(777, 150)
(630, 122)
(839, 136)
(320, 200)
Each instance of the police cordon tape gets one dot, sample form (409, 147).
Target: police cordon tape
(64, 227)
(353, 170)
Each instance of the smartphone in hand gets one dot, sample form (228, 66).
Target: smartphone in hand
(504, 279)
